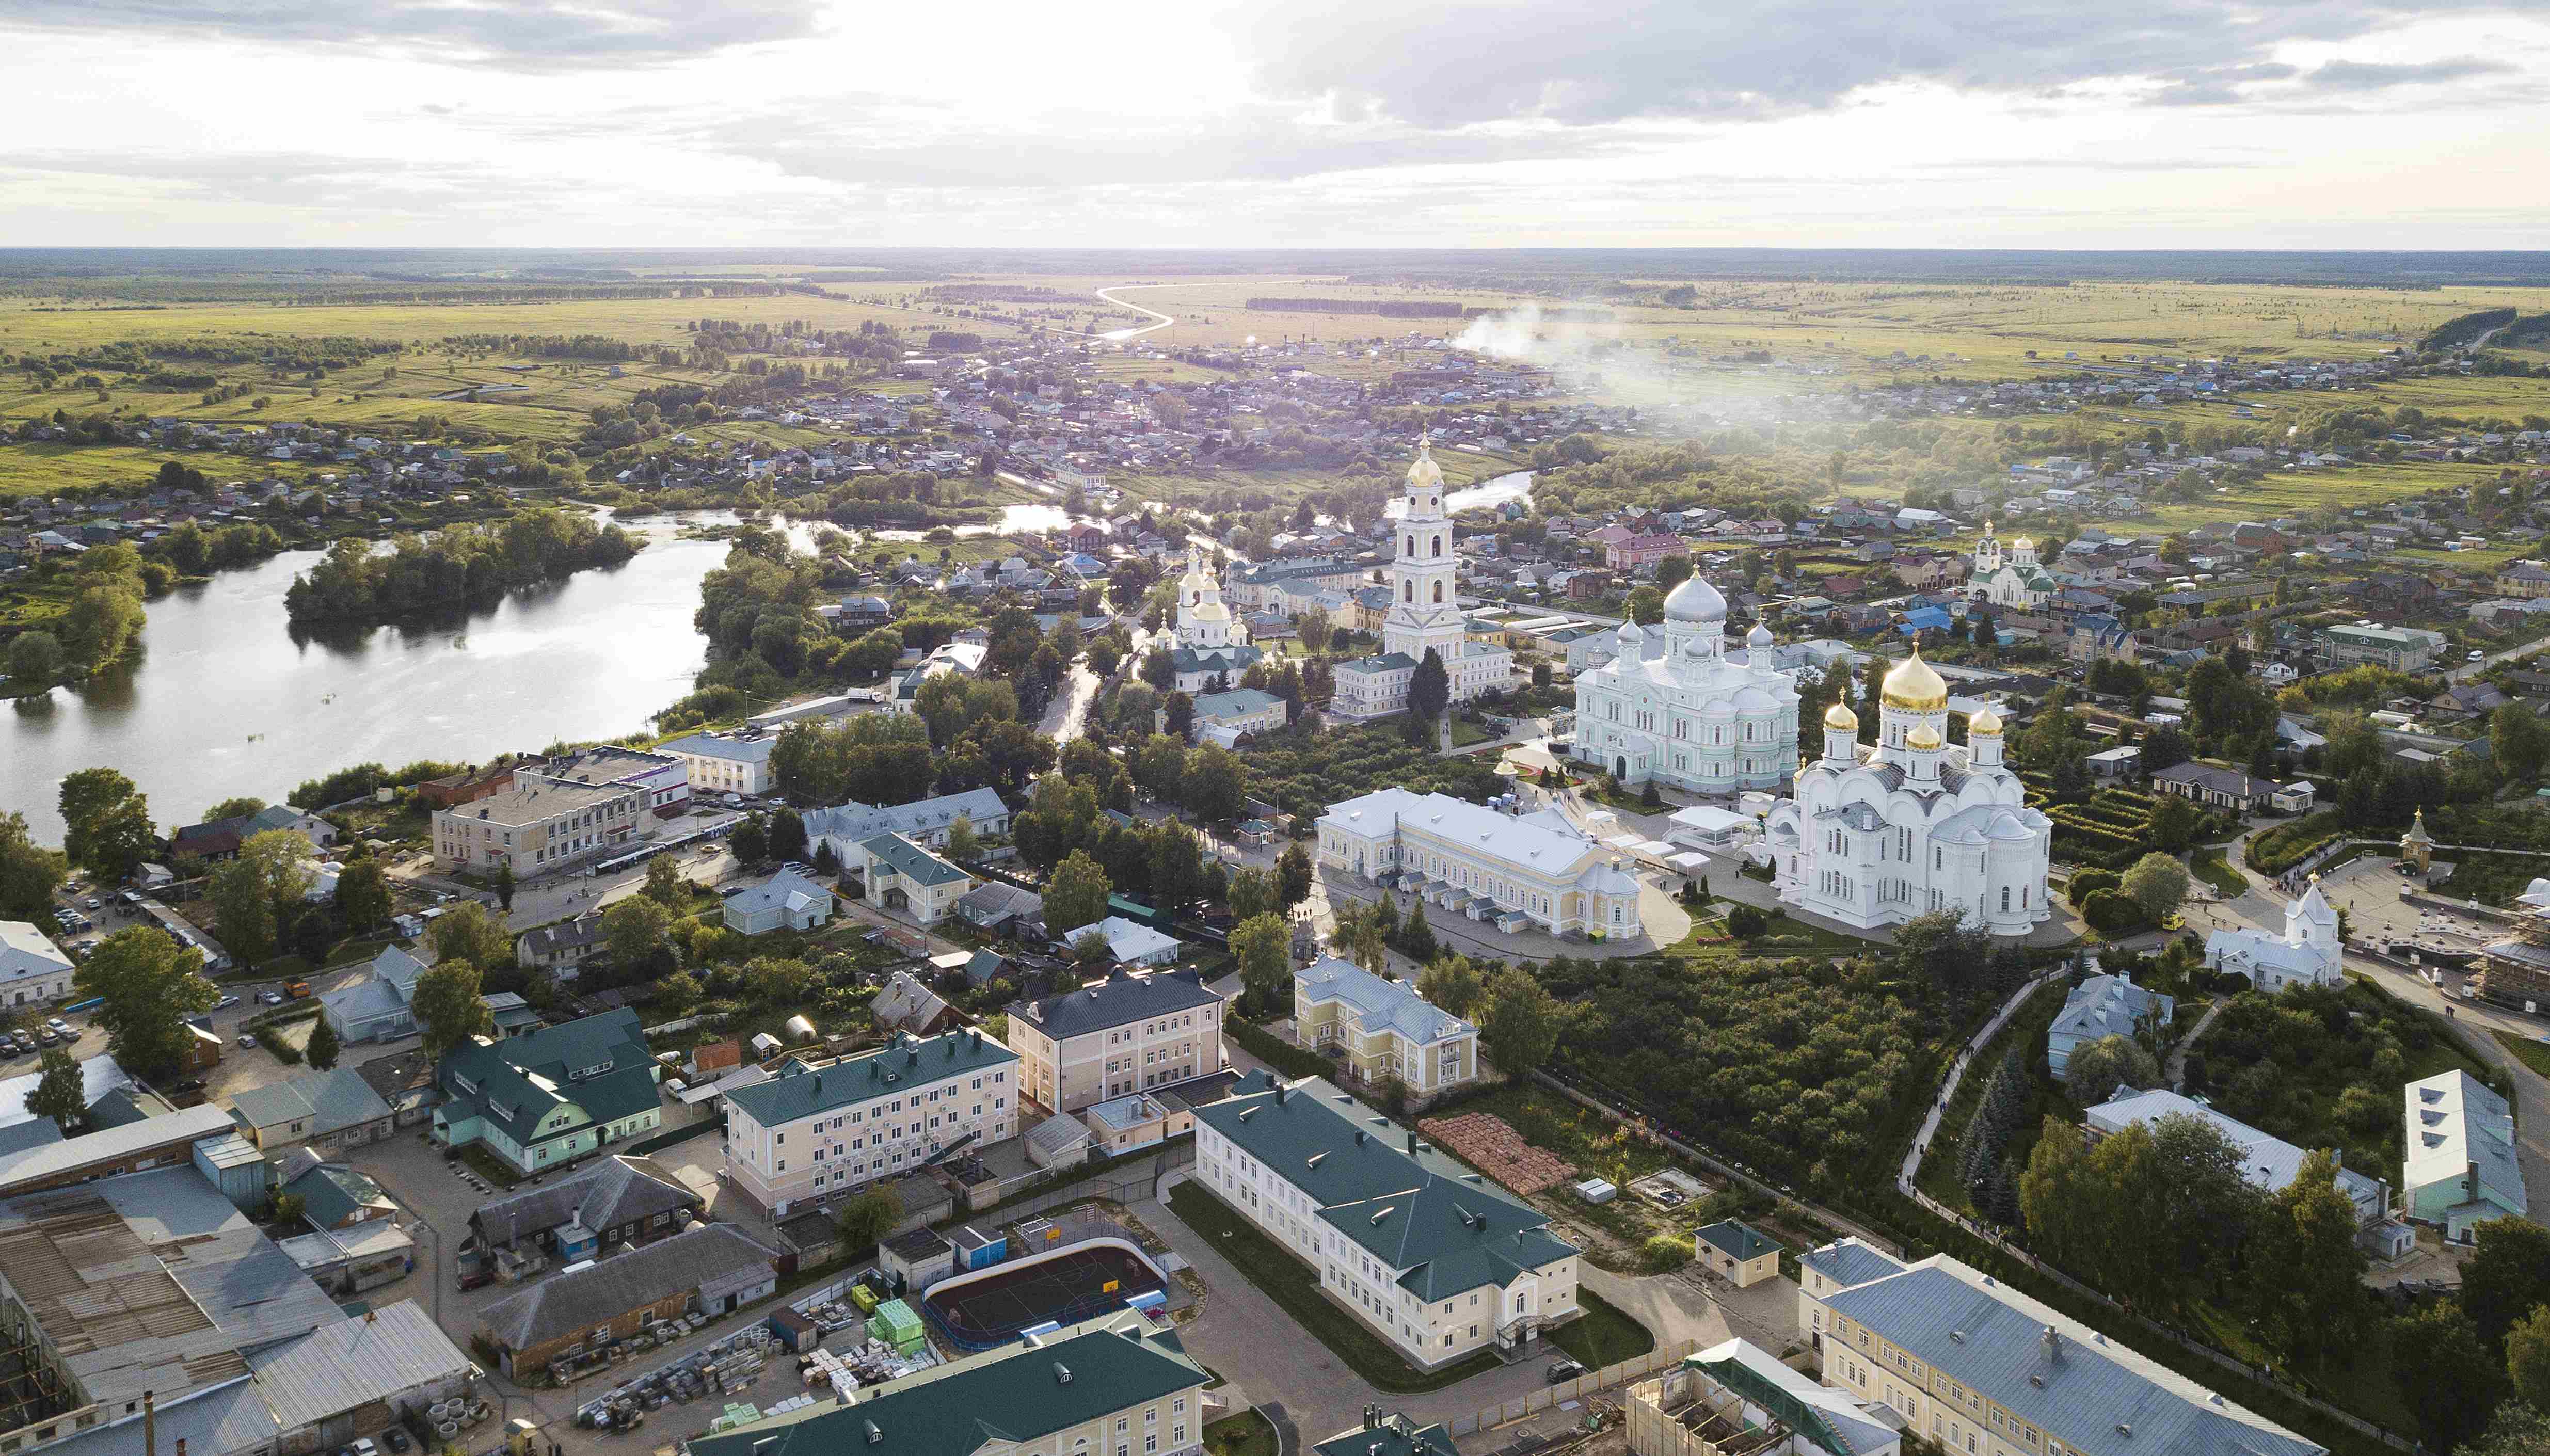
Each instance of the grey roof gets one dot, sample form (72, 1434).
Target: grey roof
(1114, 1002)
(1385, 662)
(2082, 1390)
(615, 1191)
(33, 1133)
(230, 1416)
(1059, 1133)
(113, 1144)
(1013, 1395)
(2457, 1125)
(2267, 1161)
(28, 951)
(1849, 1261)
(911, 861)
(2108, 1006)
(584, 930)
(782, 889)
(852, 1080)
(568, 1301)
(856, 821)
(904, 1004)
(99, 1075)
(354, 1362)
(713, 746)
(327, 1101)
(1378, 1002)
(995, 899)
(2220, 780)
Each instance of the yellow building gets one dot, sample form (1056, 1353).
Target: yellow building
(1384, 1028)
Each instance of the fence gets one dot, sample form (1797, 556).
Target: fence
(1525, 1406)
(1132, 1186)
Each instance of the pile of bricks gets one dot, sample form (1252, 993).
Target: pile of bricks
(1485, 1140)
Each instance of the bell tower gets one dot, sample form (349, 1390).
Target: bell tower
(1422, 610)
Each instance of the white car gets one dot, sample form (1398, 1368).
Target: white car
(61, 1027)
(2476, 655)
(226, 1003)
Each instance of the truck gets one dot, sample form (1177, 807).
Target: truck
(296, 989)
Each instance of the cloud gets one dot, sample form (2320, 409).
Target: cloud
(1586, 62)
(514, 35)
(2374, 75)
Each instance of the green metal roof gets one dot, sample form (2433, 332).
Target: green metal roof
(599, 1064)
(1023, 1395)
(911, 861)
(1742, 1242)
(1397, 1436)
(888, 1071)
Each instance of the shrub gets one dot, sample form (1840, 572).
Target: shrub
(1744, 922)
(2087, 883)
(2112, 913)
(1666, 1252)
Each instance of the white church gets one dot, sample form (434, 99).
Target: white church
(2015, 580)
(1425, 613)
(1674, 707)
(1207, 642)
(1879, 833)
(2306, 954)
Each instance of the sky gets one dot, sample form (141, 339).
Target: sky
(2269, 124)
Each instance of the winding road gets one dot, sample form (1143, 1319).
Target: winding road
(1119, 336)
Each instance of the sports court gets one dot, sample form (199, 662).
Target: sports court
(1065, 1286)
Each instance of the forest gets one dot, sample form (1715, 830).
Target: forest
(455, 570)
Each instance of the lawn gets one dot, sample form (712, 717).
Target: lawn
(2532, 1053)
(1295, 1287)
(2217, 871)
(1603, 1334)
(1246, 1434)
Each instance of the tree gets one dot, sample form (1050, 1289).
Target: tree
(324, 1047)
(1646, 605)
(2520, 1429)
(751, 839)
(2099, 1068)
(1090, 952)
(1178, 717)
(2527, 1359)
(1430, 687)
(449, 1008)
(1672, 572)
(964, 844)
(1416, 938)
(1453, 984)
(468, 932)
(2508, 1278)
(363, 894)
(2157, 885)
(28, 872)
(665, 883)
(2173, 823)
(505, 886)
(1522, 1024)
(1293, 876)
(243, 914)
(1261, 946)
(1251, 894)
(106, 823)
(1213, 784)
(787, 836)
(2308, 1234)
(2445, 1374)
(636, 932)
(865, 1221)
(149, 985)
(2518, 743)
(61, 1093)
(35, 657)
(677, 993)
(1076, 895)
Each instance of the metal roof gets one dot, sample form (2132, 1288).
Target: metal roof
(896, 1069)
(327, 1101)
(354, 1362)
(1736, 1239)
(617, 1190)
(1115, 1001)
(2054, 1372)
(2456, 1123)
(1378, 1002)
(54, 1159)
(570, 1300)
(1851, 1261)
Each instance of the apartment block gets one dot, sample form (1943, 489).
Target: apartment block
(538, 826)
(821, 1132)
(1127, 1033)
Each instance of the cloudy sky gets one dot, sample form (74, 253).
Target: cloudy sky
(1246, 122)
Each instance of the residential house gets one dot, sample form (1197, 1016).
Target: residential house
(1384, 1029)
(543, 1100)
(561, 948)
(815, 1132)
(924, 822)
(2460, 1169)
(2214, 786)
(1435, 1260)
(713, 1269)
(1641, 551)
(906, 878)
(2099, 1008)
(1737, 1252)
(905, 1004)
(1002, 909)
(726, 763)
(787, 901)
(2525, 580)
(1127, 1033)
(379, 1008)
(1128, 943)
(1224, 718)
(333, 1196)
(32, 967)
(221, 838)
(329, 1112)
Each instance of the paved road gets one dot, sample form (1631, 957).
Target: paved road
(1069, 711)
(2472, 669)
(1119, 336)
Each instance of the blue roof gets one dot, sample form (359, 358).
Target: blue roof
(710, 746)
(1849, 1261)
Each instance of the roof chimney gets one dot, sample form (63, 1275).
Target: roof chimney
(2053, 1343)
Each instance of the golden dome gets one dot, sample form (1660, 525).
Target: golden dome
(1914, 686)
(1984, 725)
(1841, 719)
(1422, 473)
(1923, 740)
(2023, 544)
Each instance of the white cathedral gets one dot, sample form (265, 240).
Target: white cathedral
(1674, 707)
(2015, 580)
(1880, 833)
(2308, 954)
(1425, 613)
(1207, 642)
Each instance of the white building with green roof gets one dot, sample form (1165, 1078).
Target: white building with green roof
(542, 1101)
(819, 1133)
(1436, 1260)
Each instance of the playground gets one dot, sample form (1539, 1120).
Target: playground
(988, 1308)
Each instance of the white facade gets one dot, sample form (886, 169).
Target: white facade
(2306, 954)
(1535, 870)
(31, 966)
(813, 1135)
(1208, 644)
(1425, 613)
(2015, 580)
(1881, 833)
(1692, 714)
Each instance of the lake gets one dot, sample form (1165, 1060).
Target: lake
(223, 701)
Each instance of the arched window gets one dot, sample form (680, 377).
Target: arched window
(1408, 591)
(1438, 545)
(1439, 591)
(1412, 545)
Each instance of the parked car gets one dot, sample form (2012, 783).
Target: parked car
(49, 1037)
(269, 998)
(2476, 656)
(363, 1448)
(226, 1003)
(397, 1439)
(60, 1026)
(248, 1043)
(1563, 1369)
(94, 903)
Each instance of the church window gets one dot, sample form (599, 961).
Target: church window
(1439, 546)
(1412, 545)
(1439, 591)
(1408, 591)
(2005, 899)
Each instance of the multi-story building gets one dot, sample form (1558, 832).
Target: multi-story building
(1974, 1366)
(2270, 1163)
(544, 1100)
(1115, 1386)
(1384, 1028)
(1436, 1260)
(1533, 870)
(2461, 1170)
(664, 778)
(726, 763)
(906, 878)
(1642, 550)
(2399, 648)
(538, 826)
(819, 1133)
(1425, 613)
(924, 822)
(1674, 706)
(32, 967)
(1127, 1033)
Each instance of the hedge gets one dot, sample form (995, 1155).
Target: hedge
(2110, 913)
(1283, 1056)
(2087, 883)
